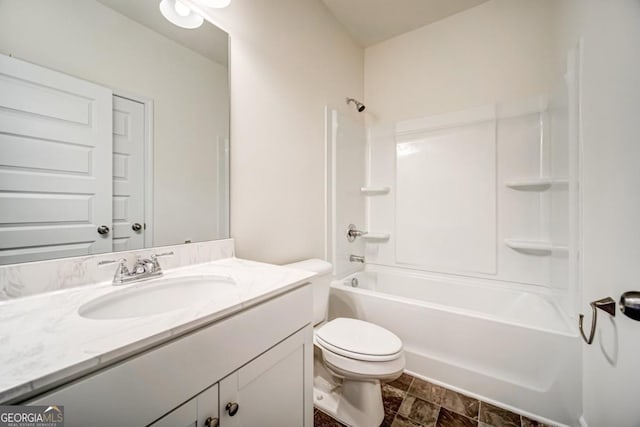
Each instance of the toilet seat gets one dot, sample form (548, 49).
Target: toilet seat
(359, 340)
(354, 369)
(353, 355)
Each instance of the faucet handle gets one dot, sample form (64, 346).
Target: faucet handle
(154, 259)
(111, 261)
(162, 254)
(121, 272)
(353, 232)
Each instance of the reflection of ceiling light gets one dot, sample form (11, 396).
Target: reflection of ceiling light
(219, 4)
(180, 14)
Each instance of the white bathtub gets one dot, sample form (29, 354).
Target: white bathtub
(505, 345)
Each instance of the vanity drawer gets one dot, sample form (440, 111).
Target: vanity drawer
(141, 389)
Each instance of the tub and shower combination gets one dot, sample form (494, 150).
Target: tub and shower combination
(471, 256)
(510, 346)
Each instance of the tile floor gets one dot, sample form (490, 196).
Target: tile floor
(412, 402)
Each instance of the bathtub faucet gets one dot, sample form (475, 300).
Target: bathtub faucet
(353, 233)
(356, 258)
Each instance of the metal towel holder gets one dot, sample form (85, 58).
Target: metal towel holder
(605, 304)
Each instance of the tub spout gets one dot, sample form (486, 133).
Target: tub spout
(356, 258)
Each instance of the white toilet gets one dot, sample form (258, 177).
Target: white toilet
(352, 357)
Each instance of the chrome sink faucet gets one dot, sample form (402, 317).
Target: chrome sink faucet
(143, 269)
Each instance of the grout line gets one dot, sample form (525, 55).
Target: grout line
(407, 394)
(438, 415)
(411, 383)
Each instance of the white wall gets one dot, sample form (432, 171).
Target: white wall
(501, 53)
(288, 59)
(611, 206)
(90, 41)
(501, 50)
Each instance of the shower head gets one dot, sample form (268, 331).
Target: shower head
(359, 105)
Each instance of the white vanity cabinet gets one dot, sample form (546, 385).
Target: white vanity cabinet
(260, 358)
(267, 391)
(201, 411)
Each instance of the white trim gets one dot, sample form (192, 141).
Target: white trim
(327, 189)
(582, 421)
(580, 178)
(148, 160)
(223, 187)
(473, 115)
(469, 116)
(148, 173)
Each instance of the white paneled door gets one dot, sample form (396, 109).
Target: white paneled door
(128, 174)
(55, 164)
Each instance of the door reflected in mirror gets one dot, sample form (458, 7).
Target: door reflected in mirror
(114, 129)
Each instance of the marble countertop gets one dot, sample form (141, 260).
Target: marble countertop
(45, 342)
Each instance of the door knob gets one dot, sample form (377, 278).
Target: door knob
(136, 226)
(212, 422)
(103, 229)
(232, 408)
(630, 304)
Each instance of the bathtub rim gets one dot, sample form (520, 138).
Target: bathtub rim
(568, 331)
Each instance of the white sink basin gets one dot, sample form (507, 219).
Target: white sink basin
(157, 296)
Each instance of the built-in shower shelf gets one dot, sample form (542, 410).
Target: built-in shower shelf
(375, 191)
(537, 247)
(535, 184)
(376, 237)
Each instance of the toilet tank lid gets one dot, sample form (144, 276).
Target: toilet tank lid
(314, 265)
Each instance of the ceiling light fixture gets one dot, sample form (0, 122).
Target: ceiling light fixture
(218, 4)
(180, 14)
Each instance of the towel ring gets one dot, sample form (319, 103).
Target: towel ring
(605, 304)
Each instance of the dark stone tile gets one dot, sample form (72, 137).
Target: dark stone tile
(320, 419)
(427, 391)
(402, 383)
(448, 418)
(391, 398)
(461, 404)
(401, 421)
(528, 422)
(419, 410)
(388, 419)
(498, 417)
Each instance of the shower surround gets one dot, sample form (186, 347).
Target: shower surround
(472, 245)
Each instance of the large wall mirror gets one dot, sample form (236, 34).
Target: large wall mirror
(114, 129)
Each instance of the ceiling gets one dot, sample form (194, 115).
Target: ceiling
(373, 21)
(208, 40)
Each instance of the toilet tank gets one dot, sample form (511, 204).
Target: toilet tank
(320, 285)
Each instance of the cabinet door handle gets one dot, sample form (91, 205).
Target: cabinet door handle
(232, 408)
(212, 422)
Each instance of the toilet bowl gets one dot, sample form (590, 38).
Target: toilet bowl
(352, 358)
